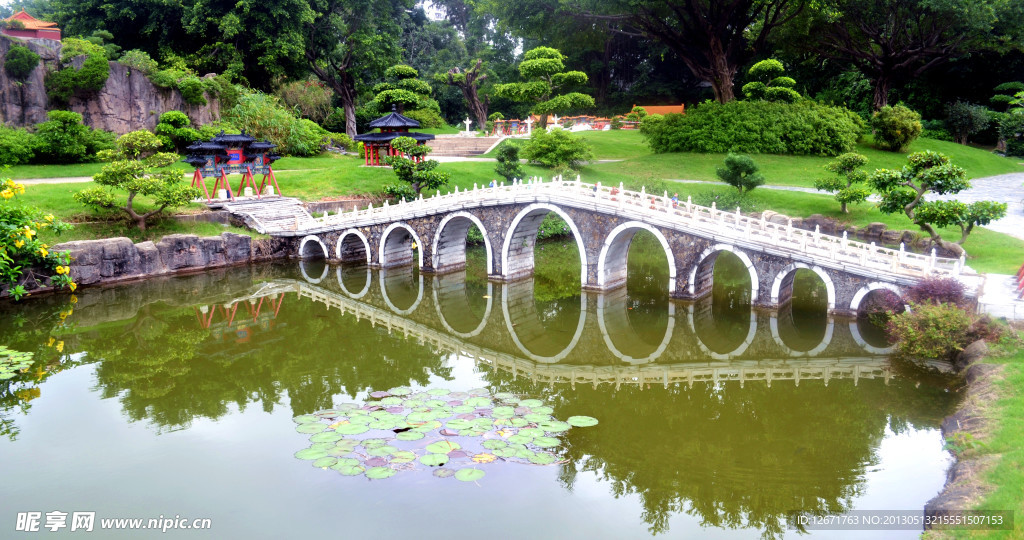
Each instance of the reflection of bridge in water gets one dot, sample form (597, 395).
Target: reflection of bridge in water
(591, 339)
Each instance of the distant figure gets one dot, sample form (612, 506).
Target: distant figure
(493, 182)
(675, 200)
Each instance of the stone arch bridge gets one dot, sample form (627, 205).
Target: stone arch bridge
(603, 221)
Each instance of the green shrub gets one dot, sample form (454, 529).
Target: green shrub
(508, 161)
(175, 132)
(726, 200)
(558, 149)
(1011, 130)
(741, 173)
(930, 331)
(306, 138)
(63, 138)
(895, 127)
(335, 121)
(768, 83)
(803, 128)
(965, 119)
(428, 118)
(20, 61)
(262, 116)
(139, 61)
(62, 84)
(17, 146)
(24, 255)
(636, 114)
(192, 90)
(310, 99)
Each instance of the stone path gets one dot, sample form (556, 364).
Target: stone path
(1007, 188)
(999, 297)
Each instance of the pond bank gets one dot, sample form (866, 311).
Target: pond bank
(967, 432)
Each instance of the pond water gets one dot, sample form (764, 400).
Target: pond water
(176, 397)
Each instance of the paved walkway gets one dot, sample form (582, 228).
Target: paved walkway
(1007, 188)
(999, 297)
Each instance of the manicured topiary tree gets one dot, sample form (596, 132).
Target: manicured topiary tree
(403, 89)
(740, 172)
(508, 161)
(558, 149)
(546, 84)
(904, 191)
(847, 168)
(410, 168)
(20, 61)
(965, 119)
(136, 167)
(768, 82)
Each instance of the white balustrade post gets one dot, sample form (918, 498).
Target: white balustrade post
(961, 263)
(931, 260)
(817, 235)
(737, 216)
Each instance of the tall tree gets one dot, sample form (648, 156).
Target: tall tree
(469, 82)
(350, 42)
(545, 85)
(402, 88)
(714, 38)
(895, 41)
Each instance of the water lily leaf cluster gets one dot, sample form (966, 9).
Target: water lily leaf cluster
(450, 434)
(12, 362)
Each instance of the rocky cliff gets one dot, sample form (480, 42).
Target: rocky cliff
(127, 102)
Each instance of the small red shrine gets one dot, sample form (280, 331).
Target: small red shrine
(391, 127)
(32, 28)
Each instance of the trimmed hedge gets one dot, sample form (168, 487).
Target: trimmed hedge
(760, 127)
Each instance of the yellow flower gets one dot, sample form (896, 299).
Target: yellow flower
(19, 243)
(43, 252)
(50, 344)
(7, 194)
(74, 299)
(48, 217)
(60, 346)
(73, 286)
(29, 232)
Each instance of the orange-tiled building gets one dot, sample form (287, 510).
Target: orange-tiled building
(32, 28)
(664, 109)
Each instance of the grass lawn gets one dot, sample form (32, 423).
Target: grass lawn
(1007, 443)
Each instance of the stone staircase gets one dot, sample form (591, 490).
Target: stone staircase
(461, 146)
(270, 213)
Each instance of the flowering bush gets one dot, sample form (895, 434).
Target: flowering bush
(24, 259)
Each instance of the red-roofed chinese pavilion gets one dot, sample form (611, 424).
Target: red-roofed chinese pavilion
(32, 28)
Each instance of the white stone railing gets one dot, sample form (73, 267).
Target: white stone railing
(663, 210)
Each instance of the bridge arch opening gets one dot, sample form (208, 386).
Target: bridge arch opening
(737, 268)
(402, 289)
(722, 331)
(872, 303)
(311, 247)
(545, 330)
(797, 334)
(400, 246)
(450, 241)
(789, 281)
(463, 307)
(517, 252)
(638, 246)
(352, 247)
(313, 270)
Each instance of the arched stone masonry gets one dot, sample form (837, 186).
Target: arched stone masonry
(352, 246)
(702, 274)
(782, 287)
(611, 264)
(312, 248)
(396, 246)
(449, 248)
(521, 236)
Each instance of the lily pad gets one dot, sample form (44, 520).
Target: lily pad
(469, 475)
(409, 436)
(345, 462)
(525, 453)
(403, 456)
(325, 446)
(434, 460)
(350, 470)
(484, 458)
(310, 453)
(382, 450)
(439, 391)
(400, 391)
(543, 458)
(503, 412)
(376, 461)
(378, 473)
(520, 439)
(537, 417)
(325, 462)
(543, 409)
(494, 444)
(372, 443)
(472, 433)
(328, 413)
(505, 452)
(459, 424)
(581, 421)
(379, 394)
(310, 428)
(443, 447)
(427, 427)
(326, 436)
(384, 423)
(553, 426)
(458, 395)
(419, 417)
(444, 473)
(545, 442)
(531, 403)
(504, 396)
(347, 444)
(478, 402)
(351, 429)
(339, 451)
(532, 432)
(306, 419)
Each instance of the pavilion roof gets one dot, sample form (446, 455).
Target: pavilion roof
(664, 109)
(30, 22)
(394, 120)
(384, 137)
